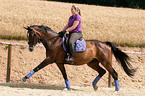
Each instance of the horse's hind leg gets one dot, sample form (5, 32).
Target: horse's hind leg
(104, 56)
(94, 64)
(114, 74)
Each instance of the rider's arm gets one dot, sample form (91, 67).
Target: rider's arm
(65, 27)
(75, 24)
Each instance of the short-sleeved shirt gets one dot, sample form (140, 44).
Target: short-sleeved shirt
(71, 21)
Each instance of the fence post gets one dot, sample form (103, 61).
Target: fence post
(109, 81)
(109, 77)
(9, 63)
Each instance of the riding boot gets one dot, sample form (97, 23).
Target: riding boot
(71, 59)
(67, 57)
(67, 52)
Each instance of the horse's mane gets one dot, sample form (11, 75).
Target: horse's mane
(43, 28)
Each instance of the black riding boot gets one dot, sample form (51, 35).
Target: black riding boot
(67, 52)
(71, 59)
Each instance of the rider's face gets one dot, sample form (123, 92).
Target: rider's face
(73, 11)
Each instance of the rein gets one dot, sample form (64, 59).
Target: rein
(44, 39)
(35, 36)
(49, 38)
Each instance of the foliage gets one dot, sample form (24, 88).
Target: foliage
(118, 3)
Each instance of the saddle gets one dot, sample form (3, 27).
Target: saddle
(80, 45)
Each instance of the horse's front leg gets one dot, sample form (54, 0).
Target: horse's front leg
(63, 71)
(36, 69)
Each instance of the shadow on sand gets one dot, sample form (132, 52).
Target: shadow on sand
(36, 86)
(33, 86)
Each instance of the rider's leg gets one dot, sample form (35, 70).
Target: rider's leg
(73, 38)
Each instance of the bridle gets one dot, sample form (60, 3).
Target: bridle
(35, 38)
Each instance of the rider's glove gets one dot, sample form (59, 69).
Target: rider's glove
(61, 33)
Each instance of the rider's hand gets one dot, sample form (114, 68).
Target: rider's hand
(61, 33)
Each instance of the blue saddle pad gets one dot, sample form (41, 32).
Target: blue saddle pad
(80, 45)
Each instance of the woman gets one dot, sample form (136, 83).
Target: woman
(74, 28)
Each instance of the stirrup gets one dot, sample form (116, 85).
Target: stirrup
(67, 58)
(71, 59)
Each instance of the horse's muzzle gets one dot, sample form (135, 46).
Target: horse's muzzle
(31, 49)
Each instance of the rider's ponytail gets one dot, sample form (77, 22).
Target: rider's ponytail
(77, 8)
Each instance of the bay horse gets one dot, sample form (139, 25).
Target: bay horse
(96, 52)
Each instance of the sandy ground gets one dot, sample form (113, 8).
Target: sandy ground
(17, 89)
(49, 81)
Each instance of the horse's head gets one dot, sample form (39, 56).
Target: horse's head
(37, 33)
(33, 37)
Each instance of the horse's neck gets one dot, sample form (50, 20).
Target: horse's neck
(52, 46)
(50, 34)
(49, 41)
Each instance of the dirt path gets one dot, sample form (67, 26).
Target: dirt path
(16, 89)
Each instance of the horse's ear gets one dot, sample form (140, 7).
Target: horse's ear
(29, 28)
(38, 33)
(26, 28)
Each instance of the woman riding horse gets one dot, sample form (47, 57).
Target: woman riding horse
(75, 32)
(96, 52)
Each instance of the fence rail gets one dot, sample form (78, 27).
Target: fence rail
(134, 52)
(16, 44)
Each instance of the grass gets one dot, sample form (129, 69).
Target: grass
(122, 26)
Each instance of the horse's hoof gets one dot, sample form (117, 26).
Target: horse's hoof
(116, 89)
(95, 87)
(23, 79)
(67, 89)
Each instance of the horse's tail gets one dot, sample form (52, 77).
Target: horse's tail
(122, 58)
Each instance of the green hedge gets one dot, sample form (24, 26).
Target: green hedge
(118, 3)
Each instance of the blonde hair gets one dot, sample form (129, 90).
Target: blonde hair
(77, 8)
